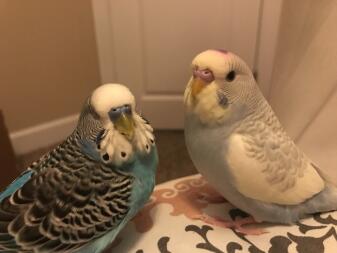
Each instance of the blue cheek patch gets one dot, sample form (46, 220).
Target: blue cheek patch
(222, 99)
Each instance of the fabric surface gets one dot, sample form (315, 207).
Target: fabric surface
(167, 224)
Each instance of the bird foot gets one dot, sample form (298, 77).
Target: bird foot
(211, 198)
(238, 224)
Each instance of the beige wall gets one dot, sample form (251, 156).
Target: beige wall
(304, 88)
(48, 59)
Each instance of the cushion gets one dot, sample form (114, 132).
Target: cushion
(168, 223)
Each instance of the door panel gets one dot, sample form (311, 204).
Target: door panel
(172, 36)
(155, 41)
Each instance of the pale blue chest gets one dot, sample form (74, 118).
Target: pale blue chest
(144, 179)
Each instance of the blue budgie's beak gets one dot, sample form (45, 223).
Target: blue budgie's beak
(125, 125)
(123, 121)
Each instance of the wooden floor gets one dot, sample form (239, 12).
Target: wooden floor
(174, 161)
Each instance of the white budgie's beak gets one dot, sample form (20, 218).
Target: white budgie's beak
(197, 85)
(125, 125)
(201, 78)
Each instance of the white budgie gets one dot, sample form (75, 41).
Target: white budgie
(236, 141)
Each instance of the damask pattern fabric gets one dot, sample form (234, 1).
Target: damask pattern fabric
(167, 225)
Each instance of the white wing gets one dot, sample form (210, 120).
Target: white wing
(270, 168)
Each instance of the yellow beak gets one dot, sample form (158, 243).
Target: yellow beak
(197, 85)
(125, 125)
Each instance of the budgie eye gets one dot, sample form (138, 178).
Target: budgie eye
(231, 76)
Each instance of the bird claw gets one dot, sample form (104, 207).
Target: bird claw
(211, 198)
(237, 224)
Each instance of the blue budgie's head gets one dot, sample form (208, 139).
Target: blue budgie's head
(110, 127)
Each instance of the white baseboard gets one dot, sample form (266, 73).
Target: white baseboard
(43, 135)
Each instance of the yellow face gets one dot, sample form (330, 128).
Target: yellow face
(204, 102)
(203, 90)
(197, 86)
(207, 67)
(221, 84)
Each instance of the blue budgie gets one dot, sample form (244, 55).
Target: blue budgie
(236, 141)
(78, 197)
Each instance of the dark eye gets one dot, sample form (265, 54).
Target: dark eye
(231, 76)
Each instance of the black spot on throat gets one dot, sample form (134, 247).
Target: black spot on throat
(106, 157)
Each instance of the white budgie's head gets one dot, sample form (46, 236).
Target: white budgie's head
(110, 122)
(114, 103)
(221, 84)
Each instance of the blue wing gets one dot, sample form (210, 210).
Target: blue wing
(16, 184)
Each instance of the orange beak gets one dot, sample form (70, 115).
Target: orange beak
(197, 85)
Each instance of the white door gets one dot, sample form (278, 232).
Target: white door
(149, 44)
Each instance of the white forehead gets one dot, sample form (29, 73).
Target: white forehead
(218, 62)
(109, 96)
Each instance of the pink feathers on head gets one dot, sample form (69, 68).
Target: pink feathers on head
(221, 51)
